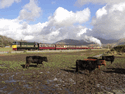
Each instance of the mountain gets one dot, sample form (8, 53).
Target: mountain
(6, 41)
(72, 42)
(104, 41)
(82, 42)
(121, 41)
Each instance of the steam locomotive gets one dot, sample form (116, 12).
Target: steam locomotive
(40, 46)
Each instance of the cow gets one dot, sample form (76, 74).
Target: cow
(87, 64)
(92, 58)
(102, 61)
(108, 58)
(35, 59)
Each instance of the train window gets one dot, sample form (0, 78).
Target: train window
(15, 43)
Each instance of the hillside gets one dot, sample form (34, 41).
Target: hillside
(82, 42)
(5, 41)
(121, 41)
(72, 42)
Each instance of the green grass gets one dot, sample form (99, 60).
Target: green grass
(6, 49)
(11, 65)
(28, 73)
(62, 60)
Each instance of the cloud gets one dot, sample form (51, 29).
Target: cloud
(7, 3)
(109, 22)
(30, 11)
(63, 17)
(55, 29)
(83, 2)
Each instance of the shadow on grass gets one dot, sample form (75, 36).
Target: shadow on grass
(115, 70)
(23, 66)
(73, 70)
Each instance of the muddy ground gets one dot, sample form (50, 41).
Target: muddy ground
(57, 80)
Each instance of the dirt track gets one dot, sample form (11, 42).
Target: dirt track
(60, 80)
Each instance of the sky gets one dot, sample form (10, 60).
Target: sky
(48, 21)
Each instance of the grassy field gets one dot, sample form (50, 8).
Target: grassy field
(58, 59)
(5, 49)
(55, 60)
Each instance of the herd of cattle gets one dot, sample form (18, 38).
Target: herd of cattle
(91, 63)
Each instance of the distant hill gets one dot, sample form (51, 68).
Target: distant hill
(5, 41)
(121, 41)
(82, 42)
(104, 41)
(72, 42)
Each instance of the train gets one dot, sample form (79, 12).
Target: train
(18, 46)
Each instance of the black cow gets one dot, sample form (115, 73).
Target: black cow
(87, 64)
(109, 58)
(92, 58)
(35, 59)
(100, 60)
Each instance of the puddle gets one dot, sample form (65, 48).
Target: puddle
(11, 81)
(3, 91)
(12, 91)
(3, 87)
(41, 72)
(69, 92)
(104, 87)
(41, 92)
(46, 87)
(27, 86)
(1, 74)
(48, 72)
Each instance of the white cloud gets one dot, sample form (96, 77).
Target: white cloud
(111, 23)
(82, 31)
(7, 3)
(55, 29)
(63, 17)
(101, 12)
(83, 2)
(30, 11)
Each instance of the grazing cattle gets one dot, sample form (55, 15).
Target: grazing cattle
(35, 59)
(92, 58)
(102, 61)
(87, 64)
(108, 58)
